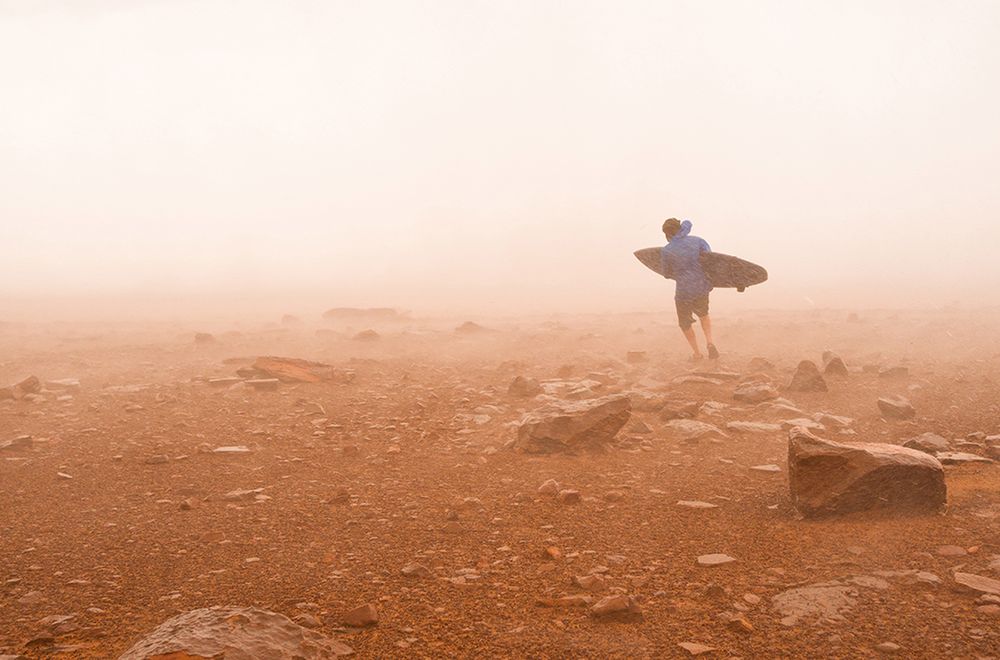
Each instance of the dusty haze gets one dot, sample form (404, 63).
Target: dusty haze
(493, 156)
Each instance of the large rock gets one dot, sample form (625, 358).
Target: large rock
(829, 478)
(234, 633)
(568, 427)
(807, 378)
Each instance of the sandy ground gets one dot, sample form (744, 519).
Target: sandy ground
(406, 463)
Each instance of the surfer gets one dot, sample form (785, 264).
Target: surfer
(680, 260)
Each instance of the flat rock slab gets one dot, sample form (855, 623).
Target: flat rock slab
(827, 478)
(978, 583)
(569, 427)
(293, 370)
(752, 427)
(826, 601)
(695, 504)
(958, 457)
(234, 633)
(691, 430)
(754, 392)
(716, 559)
(929, 443)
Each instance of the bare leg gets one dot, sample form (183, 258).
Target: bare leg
(692, 340)
(706, 327)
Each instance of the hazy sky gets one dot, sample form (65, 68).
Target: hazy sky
(505, 154)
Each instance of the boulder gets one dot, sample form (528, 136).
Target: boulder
(828, 478)
(835, 367)
(367, 335)
(896, 407)
(807, 378)
(754, 392)
(929, 443)
(234, 633)
(568, 427)
(524, 387)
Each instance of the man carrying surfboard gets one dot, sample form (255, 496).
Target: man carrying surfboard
(680, 260)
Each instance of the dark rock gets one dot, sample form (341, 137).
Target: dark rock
(832, 478)
(807, 378)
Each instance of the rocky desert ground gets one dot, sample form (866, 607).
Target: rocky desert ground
(400, 486)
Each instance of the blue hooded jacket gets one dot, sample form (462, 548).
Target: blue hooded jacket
(679, 259)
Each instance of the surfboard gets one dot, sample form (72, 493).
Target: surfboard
(724, 271)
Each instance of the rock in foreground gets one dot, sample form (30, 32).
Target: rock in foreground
(829, 478)
(234, 633)
(572, 426)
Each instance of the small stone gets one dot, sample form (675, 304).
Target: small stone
(361, 616)
(696, 649)
(231, 449)
(550, 488)
(766, 468)
(157, 459)
(614, 496)
(896, 407)
(929, 443)
(951, 551)
(695, 504)
(264, 384)
(590, 582)
(714, 560)
(615, 604)
(416, 570)
(569, 496)
(888, 647)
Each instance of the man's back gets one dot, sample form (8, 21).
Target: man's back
(681, 260)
